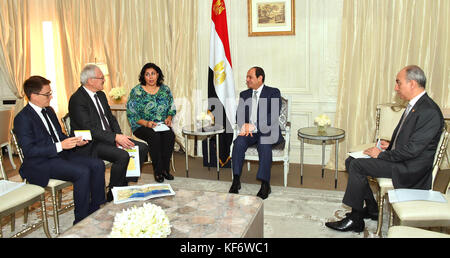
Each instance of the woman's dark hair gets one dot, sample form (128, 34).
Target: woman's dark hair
(34, 85)
(156, 68)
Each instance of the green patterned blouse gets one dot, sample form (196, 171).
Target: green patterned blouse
(142, 105)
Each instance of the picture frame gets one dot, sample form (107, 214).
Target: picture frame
(271, 17)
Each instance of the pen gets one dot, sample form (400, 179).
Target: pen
(379, 144)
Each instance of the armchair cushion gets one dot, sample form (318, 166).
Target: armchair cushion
(19, 196)
(423, 213)
(410, 232)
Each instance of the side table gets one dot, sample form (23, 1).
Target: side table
(312, 133)
(208, 131)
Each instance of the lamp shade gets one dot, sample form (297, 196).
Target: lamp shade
(103, 67)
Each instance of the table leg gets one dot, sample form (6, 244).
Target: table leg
(301, 160)
(336, 172)
(186, 148)
(207, 147)
(217, 155)
(323, 157)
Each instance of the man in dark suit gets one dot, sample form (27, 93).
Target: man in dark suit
(407, 159)
(258, 119)
(89, 110)
(48, 152)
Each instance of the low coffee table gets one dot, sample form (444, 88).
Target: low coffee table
(192, 214)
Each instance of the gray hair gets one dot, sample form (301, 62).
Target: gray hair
(415, 73)
(87, 73)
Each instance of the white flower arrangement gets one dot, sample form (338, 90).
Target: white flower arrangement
(148, 221)
(322, 120)
(204, 116)
(117, 93)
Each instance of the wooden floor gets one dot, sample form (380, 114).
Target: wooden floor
(312, 175)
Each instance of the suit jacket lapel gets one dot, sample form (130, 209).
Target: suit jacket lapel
(36, 119)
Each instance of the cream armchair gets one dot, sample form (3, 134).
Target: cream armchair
(21, 198)
(55, 187)
(280, 152)
(387, 117)
(425, 214)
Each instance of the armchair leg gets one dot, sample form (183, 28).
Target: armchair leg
(44, 217)
(25, 215)
(380, 200)
(286, 172)
(13, 222)
(55, 210)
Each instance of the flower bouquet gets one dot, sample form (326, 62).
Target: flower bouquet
(204, 119)
(322, 122)
(148, 221)
(117, 93)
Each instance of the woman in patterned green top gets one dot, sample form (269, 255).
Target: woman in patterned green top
(151, 103)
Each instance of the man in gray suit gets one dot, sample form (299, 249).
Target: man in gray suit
(407, 159)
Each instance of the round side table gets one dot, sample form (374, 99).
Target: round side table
(312, 133)
(208, 131)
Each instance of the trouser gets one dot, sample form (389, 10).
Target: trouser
(160, 147)
(119, 159)
(88, 178)
(358, 189)
(240, 146)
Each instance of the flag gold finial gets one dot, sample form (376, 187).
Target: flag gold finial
(218, 7)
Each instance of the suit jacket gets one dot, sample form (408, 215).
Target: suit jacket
(37, 144)
(416, 145)
(269, 107)
(84, 116)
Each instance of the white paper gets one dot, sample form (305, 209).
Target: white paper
(405, 195)
(134, 166)
(85, 134)
(9, 186)
(140, 192)
(358, 155)
(160, 127)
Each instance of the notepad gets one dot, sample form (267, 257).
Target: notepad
(358, 155)
(85, 134)
(161, 127)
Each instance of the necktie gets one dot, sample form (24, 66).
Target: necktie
(254, 115)
(50, 128)
(102, 115)
(408, 108)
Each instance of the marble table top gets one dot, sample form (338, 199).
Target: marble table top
(192, 214)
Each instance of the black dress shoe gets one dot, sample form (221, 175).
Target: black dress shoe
(264, 191)
(347, 224)
(367, 214)
(159, 178)
(236, 185)
(167, 175)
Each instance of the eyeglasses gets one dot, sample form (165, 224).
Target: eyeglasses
(99, 78)
(48, 94)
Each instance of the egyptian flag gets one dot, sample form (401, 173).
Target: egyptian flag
(222, 101)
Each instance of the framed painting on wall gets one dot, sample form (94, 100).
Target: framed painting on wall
(271, 17)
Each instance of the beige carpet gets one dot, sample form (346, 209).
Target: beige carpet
(288, 212)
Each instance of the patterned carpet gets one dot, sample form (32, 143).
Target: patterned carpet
(288, 212)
